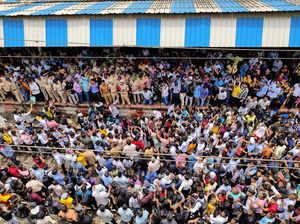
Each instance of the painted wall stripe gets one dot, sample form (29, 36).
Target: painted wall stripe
(79, 31)
(172, 31)
(34, 32)
(276, 31)
(222, 33)
(249, 32)
(124, 32)
(294, 40)
(56, 33)
(13, 30)
(101, 32)
(1, 34)
(197, 32)
(148, 32)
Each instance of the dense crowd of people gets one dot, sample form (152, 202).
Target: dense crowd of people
(235, 161)
(224, 80)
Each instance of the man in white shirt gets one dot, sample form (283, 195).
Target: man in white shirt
(220, 219)
(222, 95)
(264, 103)
(105, 215)
(154, 164)
(165, 94)
(125, 213)
(147, 93)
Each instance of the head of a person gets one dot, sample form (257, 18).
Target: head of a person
(124, 207)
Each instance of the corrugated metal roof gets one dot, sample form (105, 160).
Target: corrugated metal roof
(183, 6)
(138, 7)
(53, 9)
(95, 8)
(281, 5)
(57, 7)
(231, 6)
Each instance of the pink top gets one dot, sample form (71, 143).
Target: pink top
(52, 124)
(77, 88)
(26, 139)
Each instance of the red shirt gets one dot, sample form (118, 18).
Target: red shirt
(14, 171)
(40, 162)
(139, 144)
(35, 197)
(273, 208)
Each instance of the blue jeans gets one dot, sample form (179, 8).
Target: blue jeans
(165, 100)
(202, 101)
(198, 102)
(87, 97)
(24, 94)
(147, 101)
(80, 96)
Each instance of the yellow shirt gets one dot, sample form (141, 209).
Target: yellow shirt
(210, 208)
(81, 159)
(67, 202)
(48, 113)
(103, 132)
(247, 80)
(215, 129)
(7, 138)
(236, 91)
(191, 147)
(4, 197)
(250, 118)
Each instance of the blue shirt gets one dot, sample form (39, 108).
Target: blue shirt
(197, 91)
(39, 173)
(203, 93)
(219, 83)
(266, 220)
(243, 70)
(58, 177)
(84, 84)
(143, 219)
(151, 176)
(106, 180)
(7, 151)
(263, 91)
(126, 215)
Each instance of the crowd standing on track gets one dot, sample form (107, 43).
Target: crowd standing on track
(235, 161)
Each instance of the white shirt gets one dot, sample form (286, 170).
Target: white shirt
(296, 90)
(165, 91)
(34, 88)
(134, 203)
(186, 184)
(218, 220)
(263, 103)
(105, 216)
(102, 197)
(147, 95)
(222, 95)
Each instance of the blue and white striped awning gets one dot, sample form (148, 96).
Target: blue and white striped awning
(41, 8)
